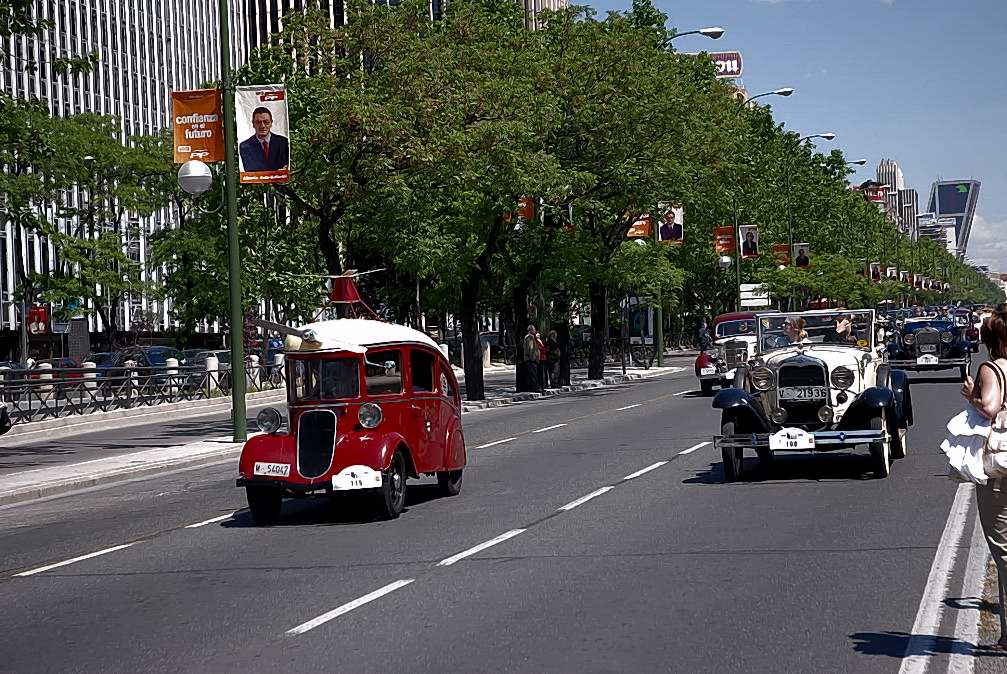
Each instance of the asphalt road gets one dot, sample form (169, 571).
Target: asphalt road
(812, 566)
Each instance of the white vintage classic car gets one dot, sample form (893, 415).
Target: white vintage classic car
(816, 382)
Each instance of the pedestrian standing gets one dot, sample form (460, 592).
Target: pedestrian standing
(987, 396)
(553, 354)
(543, 374)
(703, 338)
(530, 355)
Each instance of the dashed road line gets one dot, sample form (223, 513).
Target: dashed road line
(584, 499)
(479, 548)
(644, 471)
(67, 562)
(219, 518)
(627, 407)
(693, 448)
(496, 442)
(680, 393)
(349, 606)
(549, 428)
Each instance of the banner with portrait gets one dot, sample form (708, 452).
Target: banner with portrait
(801, 255)
(875, 271)
(749, 241)
(263, 134)
(892, 272)
(671, 221)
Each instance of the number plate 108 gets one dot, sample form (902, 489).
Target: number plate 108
(804, 393)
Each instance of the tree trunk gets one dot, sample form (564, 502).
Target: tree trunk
(327, 245)
(599, 330)
(519, 326)
(562, 327)
(471, 352)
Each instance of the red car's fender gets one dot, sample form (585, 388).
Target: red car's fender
(455, 457)
(278, 448)
(703, 360)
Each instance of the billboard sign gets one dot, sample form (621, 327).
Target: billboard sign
(198, 126)
(729, 64)
(263, 134)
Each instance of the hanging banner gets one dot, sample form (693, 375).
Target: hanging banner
(904, 276)
(875, 271)
(198, 126)
(723, 241)
(892, 272)
(672, 219)
(640, 229)
(749, 241)
(781, 254)
(263, 130)
(802, 255)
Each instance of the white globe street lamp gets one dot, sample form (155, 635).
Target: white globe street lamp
(195, 177)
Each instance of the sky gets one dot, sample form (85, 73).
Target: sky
(923, 82)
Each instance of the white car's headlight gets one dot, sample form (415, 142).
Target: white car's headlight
(763, 378)
(842, 377)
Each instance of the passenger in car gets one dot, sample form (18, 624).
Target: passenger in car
(794, 330)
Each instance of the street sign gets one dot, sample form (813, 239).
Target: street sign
(729, 64)
(754, 295)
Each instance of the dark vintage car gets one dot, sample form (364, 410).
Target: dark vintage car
(929, 344)
(815, 389)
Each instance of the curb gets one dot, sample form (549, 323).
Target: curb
(83, 481)
(611, 380)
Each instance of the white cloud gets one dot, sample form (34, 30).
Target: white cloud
(988, 243)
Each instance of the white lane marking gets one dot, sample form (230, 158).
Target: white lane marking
(66, 562)
(916, 658)
(693, 448)
(584, 499)
(967, 622)
(495, 442)
(680, 393)
(627, 407)
(219, 518)
(479, 548)
(349, 606)
(549, 428)
(644, 471)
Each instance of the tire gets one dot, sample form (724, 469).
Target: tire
(733, 457)
(881, 452)
(392, 495)
(265, 504)
(450, 482)
(707, 386)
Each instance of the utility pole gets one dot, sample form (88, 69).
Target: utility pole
(239, 424)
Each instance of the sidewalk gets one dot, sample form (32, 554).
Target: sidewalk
(55, 466)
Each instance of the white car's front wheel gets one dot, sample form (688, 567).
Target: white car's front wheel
(881, 452)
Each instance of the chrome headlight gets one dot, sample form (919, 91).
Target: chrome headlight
(908, 338)
(763, 378)
(269, 420)
(947, 337)
(369, 415)
(778, 415)
(842, 377)
(825, 414)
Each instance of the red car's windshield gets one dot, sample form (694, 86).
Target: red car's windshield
(323, 379)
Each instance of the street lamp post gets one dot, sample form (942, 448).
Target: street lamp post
(713, 32)
(659, 310)
(790, 216)
(783, 91)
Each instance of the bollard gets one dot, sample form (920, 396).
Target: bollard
(90, 375)
(129, 381)
(171, 369)
(484, 346)
(253, 372)
(276, 376)
(6, 397)
(212, 374)
(46, 389)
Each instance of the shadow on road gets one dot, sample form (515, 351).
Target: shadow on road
(815, 467)
(339, 509)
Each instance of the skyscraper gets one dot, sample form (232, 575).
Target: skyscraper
(953, 202)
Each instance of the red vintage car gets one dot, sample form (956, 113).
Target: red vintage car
(371, 404)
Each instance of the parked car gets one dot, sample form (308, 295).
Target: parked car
(223, 357)
(371, 405)
(819, 391)
(733, 341)
(65, 363)
(928, 344)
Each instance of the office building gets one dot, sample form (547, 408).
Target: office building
(909, 208)
(953, 202)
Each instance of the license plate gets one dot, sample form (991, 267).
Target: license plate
(271, 469)
(791, 438)
(356, 477)
(927, 360)
(928, 348)
(708, 370)
(804, 393)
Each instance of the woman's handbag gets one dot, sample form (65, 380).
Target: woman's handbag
(995, 449)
